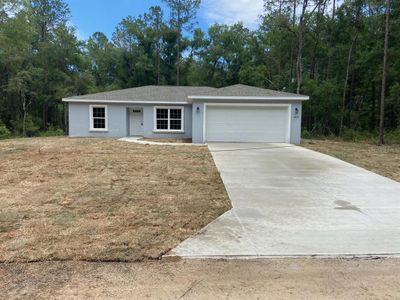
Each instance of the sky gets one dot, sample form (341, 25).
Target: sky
(89, 16)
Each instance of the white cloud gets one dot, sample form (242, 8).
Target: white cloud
(233, 11)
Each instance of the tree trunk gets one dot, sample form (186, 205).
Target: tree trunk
(178, 58)
(158, 64)
(373, 107)
(382, 116)
(25, 105)
(299, 65)
(291, 44)
(333, 9)
(345, 84)
(24, 114)
(178, 46)
(45, 110)
(294, 12)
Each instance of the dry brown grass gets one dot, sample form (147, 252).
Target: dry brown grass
(102, 199)
(383, 160)
(300, 278)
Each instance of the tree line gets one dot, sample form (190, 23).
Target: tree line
(332, 52)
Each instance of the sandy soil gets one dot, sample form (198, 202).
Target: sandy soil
(102, 199)
(383, 160)
(195, 279)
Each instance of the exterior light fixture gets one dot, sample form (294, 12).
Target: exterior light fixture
(198, 109)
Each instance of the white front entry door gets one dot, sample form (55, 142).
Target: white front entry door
(136, 121)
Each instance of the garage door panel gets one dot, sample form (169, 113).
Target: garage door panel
(246, 124)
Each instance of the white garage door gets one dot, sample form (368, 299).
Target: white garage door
(247, 124)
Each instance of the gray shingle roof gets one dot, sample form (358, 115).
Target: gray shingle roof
(241, 90)
(181, 93)
(149, 93)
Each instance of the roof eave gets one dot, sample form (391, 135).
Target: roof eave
(260, 98)
(75, 100)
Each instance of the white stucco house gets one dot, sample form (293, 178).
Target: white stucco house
(237, 113)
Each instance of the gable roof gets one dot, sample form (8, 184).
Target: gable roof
(184, 94)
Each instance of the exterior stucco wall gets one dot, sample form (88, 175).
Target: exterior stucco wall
(198, 122)
(295, 123)
(118, 121)
(148, 123)
(198, 118)
(79, 121)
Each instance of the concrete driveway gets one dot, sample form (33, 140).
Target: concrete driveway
(291, 201)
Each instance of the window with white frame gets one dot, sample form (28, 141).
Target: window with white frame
(168, 119)
(98, 117)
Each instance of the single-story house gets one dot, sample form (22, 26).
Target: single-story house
(237, 113)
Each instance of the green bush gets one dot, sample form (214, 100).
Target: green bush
(358, 136)
(52, 131)
(393, 137)
(349, 134)
(4, 131)
(32, 126)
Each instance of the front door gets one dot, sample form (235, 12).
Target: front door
(136, 121)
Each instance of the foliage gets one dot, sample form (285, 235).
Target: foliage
(52, 131)
(4, 131)
(32, 126)
(42, 61)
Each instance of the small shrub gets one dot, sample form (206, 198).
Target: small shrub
(393, 137)
(349, 134)
(52, 131)
(4, 131)
(32, 126)
(305, 134)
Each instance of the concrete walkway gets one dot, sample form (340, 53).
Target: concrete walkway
(290, 201)
(140, 140)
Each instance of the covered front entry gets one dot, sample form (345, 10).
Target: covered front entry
(247, 123)
(136, 121)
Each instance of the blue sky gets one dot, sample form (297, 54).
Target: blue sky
(89, 16)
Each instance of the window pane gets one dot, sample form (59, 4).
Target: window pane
(175, 113)
(99, 123)
(162, 124)
(99, 112)
(162, 113)
(175, 125)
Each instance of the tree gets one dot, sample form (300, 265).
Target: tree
(356, 12)
(303, 18)
(384, 70)
(19, 86)
(182, 14)
(332, 53)
(48, 15)
(103, 59)
(155, 22)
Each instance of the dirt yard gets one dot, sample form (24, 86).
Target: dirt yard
(209, 279)
(102, 199)
(383, 160)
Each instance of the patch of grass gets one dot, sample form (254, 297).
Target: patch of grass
(102, 199)
(383, 160)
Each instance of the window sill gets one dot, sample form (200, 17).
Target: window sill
(98, 130)
(168, 131)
